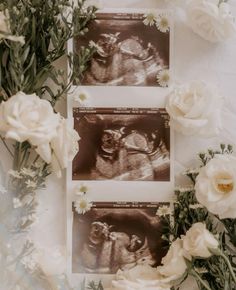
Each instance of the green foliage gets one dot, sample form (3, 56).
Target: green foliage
(47, 25)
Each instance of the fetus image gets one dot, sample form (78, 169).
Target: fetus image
(128, 52)
(103, 243)
(132, 145)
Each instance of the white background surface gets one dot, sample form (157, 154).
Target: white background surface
(194, 58)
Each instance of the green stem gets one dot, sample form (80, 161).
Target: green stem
(17, 156)
(198, 277)
(229, 265)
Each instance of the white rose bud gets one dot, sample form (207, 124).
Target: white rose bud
(216, 188)
(198, 241)
(195, 109)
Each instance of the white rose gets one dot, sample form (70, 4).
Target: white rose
(211, 20)
(216, 186)
(195, 109)
(138, 278)
(29, 118)
(198, 241)
(173, 264)
(64, 145)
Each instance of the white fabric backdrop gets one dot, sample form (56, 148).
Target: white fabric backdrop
(194, 58)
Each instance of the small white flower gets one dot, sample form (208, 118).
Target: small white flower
(30, 262)
(82, 205)
(98, 48)
(17, 203)
(14, 173)
(31, 184)
(3, 190)
(80, 97)
(196, 206)
(163, 23)
(150, 19)
(163, 78)
(184, 189)
(81, 190)
(163, 211)
(28, 172)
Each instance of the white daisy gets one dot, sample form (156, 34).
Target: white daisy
(14, 173)
(31, 184)
(17, 203)
(163, 211)
(163, 78)
(163, 23)
(82, 205)
(81, 189)
(27, 172)
(150, 19)
(80, 97)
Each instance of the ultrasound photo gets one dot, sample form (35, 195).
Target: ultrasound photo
(129, 53)
(125, 144)
(113, 236)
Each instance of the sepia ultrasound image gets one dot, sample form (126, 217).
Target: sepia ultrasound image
(113, 236)
(126, 144)
(129, 53)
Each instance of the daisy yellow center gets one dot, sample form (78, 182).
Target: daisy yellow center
(224, 184)
(164, 22)
(82, 97)
(83, 204)
(165, 78)
(83, 189)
